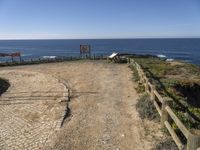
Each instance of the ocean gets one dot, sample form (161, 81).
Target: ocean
(186, 49)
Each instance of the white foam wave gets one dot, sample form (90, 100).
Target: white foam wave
(49, 57)
(23, 55)
(169, 60)
(161, 56)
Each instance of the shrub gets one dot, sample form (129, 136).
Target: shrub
(136, 76)
(167, 144)
(4, 85)
(140, 88)
(146, 108)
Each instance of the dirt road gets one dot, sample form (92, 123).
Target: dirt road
(103, 112)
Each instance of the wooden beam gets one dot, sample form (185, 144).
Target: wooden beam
(174, 136)
(158, 96)
(193, 142)
(183, 129)
(157, 107)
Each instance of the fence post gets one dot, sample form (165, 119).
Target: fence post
(164, 114)
(193, 142)
(141, 76)
(132, 62)
(152, 93)
(146, 84)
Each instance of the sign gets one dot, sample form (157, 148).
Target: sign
(85, 49)
(17, 54)
(12, 55)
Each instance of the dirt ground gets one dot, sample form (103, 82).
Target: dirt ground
(103, 115)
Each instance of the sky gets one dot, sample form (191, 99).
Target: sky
(80, 19)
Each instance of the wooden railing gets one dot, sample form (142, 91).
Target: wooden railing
(167, 114)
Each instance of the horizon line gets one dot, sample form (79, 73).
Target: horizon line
(100, 38)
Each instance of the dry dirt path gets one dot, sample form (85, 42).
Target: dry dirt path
(103, 112)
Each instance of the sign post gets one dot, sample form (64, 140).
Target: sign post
(85, 50)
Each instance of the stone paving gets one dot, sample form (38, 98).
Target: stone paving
(30, 112)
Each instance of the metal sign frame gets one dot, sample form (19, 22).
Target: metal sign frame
(85, 50)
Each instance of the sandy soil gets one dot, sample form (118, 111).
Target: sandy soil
(103, 112)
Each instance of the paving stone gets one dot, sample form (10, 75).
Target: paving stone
(29, 126)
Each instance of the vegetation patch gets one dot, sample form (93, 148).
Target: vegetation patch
(146, 108)
(140, 88)
(136, 78)
(167, 144)
(191, 92)
(181, 82)
(4, 85)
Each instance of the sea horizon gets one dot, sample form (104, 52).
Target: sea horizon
(185, 49)
(99, 38)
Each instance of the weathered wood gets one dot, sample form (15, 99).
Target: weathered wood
(114, 59)
(174, 135)
(148, 91)
(193, 142)
(150, 84)
(149, 87)
(146, 86)
(183, 129)
(157, 107)
(158, 96)
(152, 95)
(164, 115)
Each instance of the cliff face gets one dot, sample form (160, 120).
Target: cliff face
(191, 91)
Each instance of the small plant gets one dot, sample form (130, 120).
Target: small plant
(136, 76)
(167, 144)
(140, 88)
(146, 108)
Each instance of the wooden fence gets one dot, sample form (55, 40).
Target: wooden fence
(167, 114)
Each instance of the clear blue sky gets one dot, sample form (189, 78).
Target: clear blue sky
(34, 19)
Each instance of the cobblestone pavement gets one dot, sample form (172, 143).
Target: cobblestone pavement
(30, 112)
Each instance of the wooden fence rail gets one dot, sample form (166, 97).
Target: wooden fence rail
(166, 113)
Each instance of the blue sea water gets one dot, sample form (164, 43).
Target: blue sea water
(186, 49)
